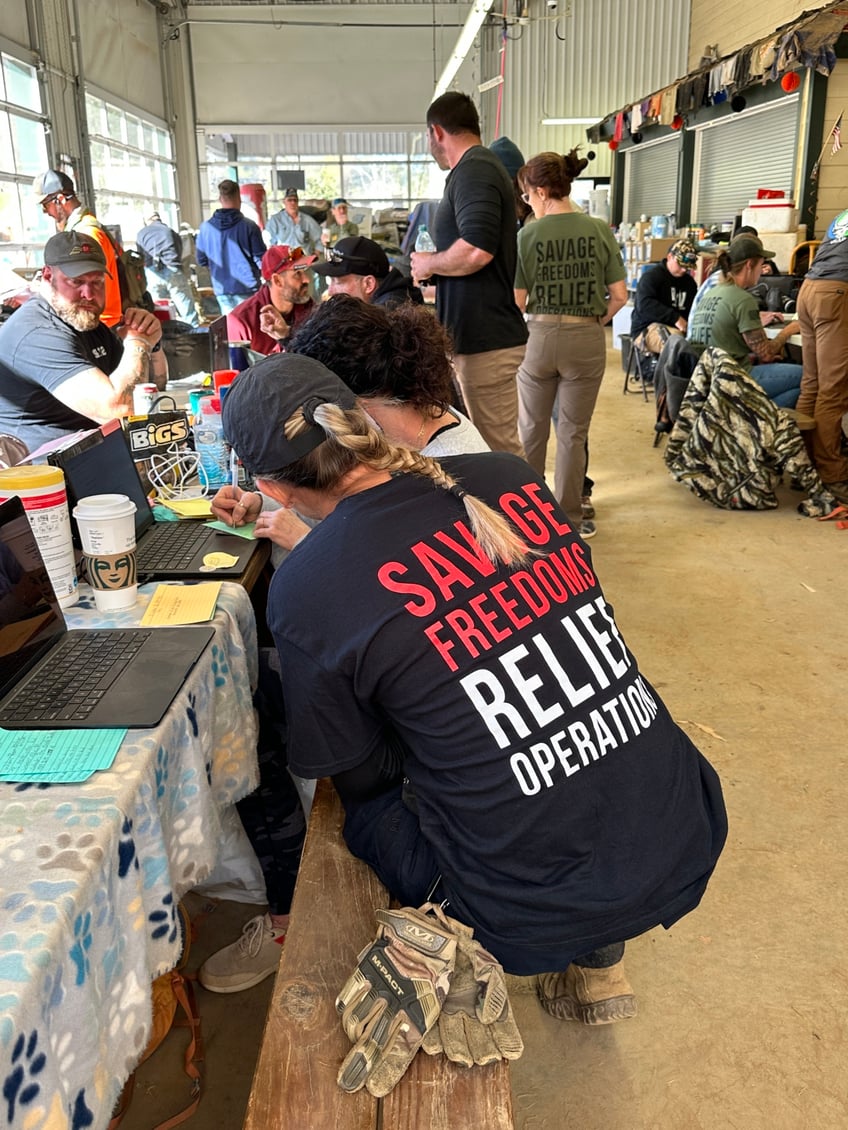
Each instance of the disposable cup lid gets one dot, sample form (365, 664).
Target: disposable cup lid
(96, 507)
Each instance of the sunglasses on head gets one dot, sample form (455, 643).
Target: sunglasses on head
(292, 257)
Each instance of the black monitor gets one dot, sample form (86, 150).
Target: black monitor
(219, 345)
(291, 178)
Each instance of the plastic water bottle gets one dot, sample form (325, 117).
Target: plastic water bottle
(210, 445)
(424, 241)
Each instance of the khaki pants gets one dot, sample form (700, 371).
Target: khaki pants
(563, 365)
(823, 314)
(653, 337)
(488, 386)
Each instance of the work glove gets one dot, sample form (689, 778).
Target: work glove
(394, 996)
(476, 1024)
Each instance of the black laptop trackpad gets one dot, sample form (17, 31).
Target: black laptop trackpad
(140, 697)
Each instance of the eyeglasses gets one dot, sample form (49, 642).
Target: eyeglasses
(525, 196)
(45, 204)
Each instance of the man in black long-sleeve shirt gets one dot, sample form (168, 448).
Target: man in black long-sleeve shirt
(664, 297)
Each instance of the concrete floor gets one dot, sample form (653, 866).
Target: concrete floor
(743, 1006)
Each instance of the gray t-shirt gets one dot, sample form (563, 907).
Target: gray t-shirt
(831, 261)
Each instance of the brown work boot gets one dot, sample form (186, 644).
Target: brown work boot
(592, 996)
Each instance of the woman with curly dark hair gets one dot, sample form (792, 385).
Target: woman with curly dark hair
(396, 362)
(571, 280)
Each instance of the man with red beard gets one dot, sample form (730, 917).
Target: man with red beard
(61, 369)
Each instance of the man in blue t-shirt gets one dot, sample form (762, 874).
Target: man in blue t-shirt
(62, 369)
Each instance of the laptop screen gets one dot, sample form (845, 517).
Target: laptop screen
(105, 466)
(219, 344)
(30, 618)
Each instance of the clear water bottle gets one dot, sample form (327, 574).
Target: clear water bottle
(210, 445)
(424, 241)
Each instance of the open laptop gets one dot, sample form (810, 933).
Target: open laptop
(55, 679)
(101, 461)
(192, 354)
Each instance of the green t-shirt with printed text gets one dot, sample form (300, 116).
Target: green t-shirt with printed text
(565, 263)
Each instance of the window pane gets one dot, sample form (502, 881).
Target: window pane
(7, 159)
(323, 183)
(10, 215)
(99, 164)
(114, 123)
(29, 146)
(376, 180)
(133, 131)
(37, 225)
(21, 84)
(149, 135)
(166, 186)
(139, 175)
(95, 113)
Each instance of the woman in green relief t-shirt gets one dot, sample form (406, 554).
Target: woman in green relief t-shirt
(570, 281)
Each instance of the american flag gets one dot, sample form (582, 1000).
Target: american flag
(836, 134)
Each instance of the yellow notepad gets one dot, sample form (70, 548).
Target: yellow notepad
(181, 604)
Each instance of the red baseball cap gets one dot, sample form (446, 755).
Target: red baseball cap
(281, 257)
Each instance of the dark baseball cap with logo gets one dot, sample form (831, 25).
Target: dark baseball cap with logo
(51, 182)
(747, 247)
(355, 255)
(74, 253)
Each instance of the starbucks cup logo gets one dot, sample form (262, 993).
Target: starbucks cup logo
(111, 570)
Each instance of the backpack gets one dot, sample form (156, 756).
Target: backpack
(132, 281)
(168, 992)
(131, 278)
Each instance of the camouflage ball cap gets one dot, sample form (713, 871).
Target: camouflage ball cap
(685, 252)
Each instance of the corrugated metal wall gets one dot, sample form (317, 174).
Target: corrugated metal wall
(583, 60)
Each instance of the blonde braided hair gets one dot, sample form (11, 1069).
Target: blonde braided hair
(352, 441)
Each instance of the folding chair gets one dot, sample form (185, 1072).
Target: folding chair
(674, 370)
(641, 368)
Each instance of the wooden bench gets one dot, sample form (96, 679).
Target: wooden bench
(294, 1085)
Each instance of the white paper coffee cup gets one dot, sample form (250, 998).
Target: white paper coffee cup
(106, 525)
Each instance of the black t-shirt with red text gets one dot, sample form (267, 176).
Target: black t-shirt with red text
(564, 806)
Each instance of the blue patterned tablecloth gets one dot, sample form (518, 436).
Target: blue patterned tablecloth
(90, 875)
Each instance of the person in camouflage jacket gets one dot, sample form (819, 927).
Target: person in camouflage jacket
(731, 445)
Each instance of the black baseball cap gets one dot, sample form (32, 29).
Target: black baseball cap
(74, 253)
(355, 255)
(263, 397)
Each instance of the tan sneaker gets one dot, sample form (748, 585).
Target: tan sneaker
(592, 996)
(245, 962)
